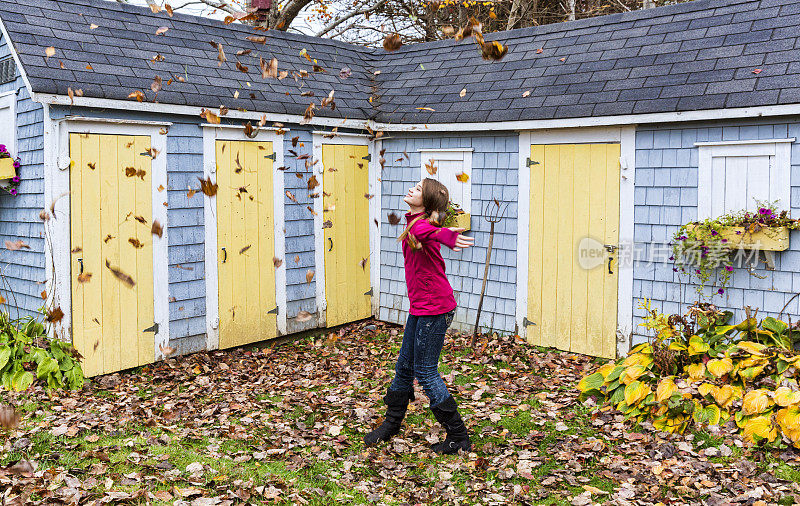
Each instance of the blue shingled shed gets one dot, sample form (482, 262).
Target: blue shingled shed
(599, 133)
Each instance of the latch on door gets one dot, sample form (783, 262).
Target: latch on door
(368, 292)
(331, 241)
(273, 311)
(154, 328)
(610, 248)
(271, 156)
(367, 158)
(530, 162)
(526, 321)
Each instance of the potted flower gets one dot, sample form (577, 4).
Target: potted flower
(456, 217)
(8, 170)
(703, 249)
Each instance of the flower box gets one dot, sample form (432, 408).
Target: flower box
(7, 170)
(462, 220)
(766, 239)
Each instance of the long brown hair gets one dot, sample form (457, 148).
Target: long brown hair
(435, 198)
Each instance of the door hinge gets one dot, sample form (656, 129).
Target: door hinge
(368, 292)
(273, 311)
(367, 158)
(529, 162)
(526, 322)
(272, 156)
(154, 328)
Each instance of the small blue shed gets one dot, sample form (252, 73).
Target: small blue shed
(150, 211)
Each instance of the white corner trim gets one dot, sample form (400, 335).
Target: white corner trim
(113, 121)
(211, 134)
(738, 143)
(241, 127)
(627, 185)
(375, 230)
(17, 61)
(523, 232)
(57, 135)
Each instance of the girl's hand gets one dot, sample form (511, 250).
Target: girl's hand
(462, 241)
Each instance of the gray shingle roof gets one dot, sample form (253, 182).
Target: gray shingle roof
(691, 56)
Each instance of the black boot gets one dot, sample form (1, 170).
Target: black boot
(446, 413)
(396, 405)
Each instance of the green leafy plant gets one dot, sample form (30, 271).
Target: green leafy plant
(700, 250)
(27, 354)
(746, 374)
(453, 209)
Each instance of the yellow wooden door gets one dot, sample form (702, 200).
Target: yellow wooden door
(346, 207)
(245, 243)
(110, 229)
(574, 194)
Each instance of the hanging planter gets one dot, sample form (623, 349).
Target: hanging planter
(8, 170)
(763, 238)
(456, 217)
(705, 250)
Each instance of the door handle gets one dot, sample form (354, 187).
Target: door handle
(610, 259)
(80, 261)
(331, 241)
(224, 256)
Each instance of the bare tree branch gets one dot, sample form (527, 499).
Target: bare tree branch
(357, 12)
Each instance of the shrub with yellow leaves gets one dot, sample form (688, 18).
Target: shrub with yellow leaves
(700, 370)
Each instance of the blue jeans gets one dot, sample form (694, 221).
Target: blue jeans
(423, 339)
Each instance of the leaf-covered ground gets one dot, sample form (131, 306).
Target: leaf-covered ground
(284, 424)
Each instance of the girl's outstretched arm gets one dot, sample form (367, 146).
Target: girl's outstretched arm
(449, 236)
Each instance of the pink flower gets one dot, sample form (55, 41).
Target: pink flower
(15, 179)
(13, 191)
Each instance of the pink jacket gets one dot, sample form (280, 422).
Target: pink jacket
(428, 289)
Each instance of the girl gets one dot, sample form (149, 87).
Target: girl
(431, 312)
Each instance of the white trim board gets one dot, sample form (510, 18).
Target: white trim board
(57, 187)
(739, 143)
(580, 122)
(626, 138)
(211, 134)
(9, 101)
(17, 61)
(374, 187)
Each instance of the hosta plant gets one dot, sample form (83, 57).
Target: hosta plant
(698, 369)
(453, 209)
(27, 354)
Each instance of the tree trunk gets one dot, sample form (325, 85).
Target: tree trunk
(571, 10)
(288, 14)
(648, 4)
(514, 14)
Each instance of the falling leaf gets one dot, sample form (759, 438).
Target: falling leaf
(540, 50)
(258, 39)
(493, 51)
(303, 316)
(55, 315)
(327, 224)
(152, 153)
(220, 54)
(93, 26)
(162, 30)
(43, 295)
(136, 242)
(394, 219)
(363, 262)
(345, 73)
(9, 418)
(308, 115)
(297, 259)
(526, 93)
(562, 59)
(84, 277)
(291, 196)
(309, 275)
(462, 177)
(138, 95)
(156, 84)
(50, 51)
(430, 166)
(426, 109)
(207, 187)
(168, 8)
(312, 182)
(277, 262)
(241, 251)
(165, 350)
(126, 279)
(392, 42)
(757, 71)
(16, 245)
(463, 93)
